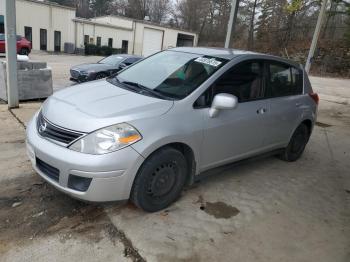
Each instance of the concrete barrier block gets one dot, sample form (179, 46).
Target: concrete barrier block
(33, 84)
(3, 88)
(39, 65)
(31, 65)
(24, 66)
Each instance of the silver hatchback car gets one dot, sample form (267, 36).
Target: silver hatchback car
(152, 129)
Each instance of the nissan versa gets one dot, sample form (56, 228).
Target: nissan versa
(150, 130)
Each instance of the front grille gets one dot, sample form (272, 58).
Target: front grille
(48, 170)
(75, 74)
(51, 131)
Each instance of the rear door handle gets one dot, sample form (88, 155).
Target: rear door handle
(298, 104)
(261, 111)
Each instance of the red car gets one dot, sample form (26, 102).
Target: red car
(23, 45)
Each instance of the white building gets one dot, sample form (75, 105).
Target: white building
(49, 26)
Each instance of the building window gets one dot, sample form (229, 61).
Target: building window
(57, 41)
(110, 42)
(125, 46)
(86, 39)
(28, 34)
(2, 28)
(98, 41)
(43, 39)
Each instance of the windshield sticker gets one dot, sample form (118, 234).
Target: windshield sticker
(208, 61)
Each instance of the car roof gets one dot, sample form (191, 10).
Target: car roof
(228, 54)
(225, 53)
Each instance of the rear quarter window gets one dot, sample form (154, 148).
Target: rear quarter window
(283, 80)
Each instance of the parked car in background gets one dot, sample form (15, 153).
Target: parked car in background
(153, 128)
(24, 46)
(104, 68)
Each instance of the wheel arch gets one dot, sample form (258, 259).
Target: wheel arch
(23, 48)
(105, 73)
(307, 121)
(189, 155)
(309, 124)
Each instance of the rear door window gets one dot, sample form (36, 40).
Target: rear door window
(283, 80)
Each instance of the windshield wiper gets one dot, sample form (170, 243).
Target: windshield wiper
(145, 89)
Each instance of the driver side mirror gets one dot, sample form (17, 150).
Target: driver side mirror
(222, 102)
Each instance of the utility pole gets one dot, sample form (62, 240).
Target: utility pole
(11, 53)
(316, 35)
(231, 23)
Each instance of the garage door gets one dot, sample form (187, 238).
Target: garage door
(152, 41)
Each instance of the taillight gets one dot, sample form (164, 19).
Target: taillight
(315, 97)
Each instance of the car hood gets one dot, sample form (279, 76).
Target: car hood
(93, 67)
(93, 105)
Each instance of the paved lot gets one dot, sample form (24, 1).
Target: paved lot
(61, 64)
(266, 210)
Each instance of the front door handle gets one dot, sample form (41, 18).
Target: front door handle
(261, 111)
(298, 104)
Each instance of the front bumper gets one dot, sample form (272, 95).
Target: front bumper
(81, 78)
(112, 174)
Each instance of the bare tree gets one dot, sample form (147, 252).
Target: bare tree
(158, 10)
(137, 9)
(118, 7)
(251, 25)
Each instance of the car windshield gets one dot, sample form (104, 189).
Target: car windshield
(111, 60)
(171, 73)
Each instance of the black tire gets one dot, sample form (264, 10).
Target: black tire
(297, 144)
(160, 180)
(24, 51)
(100, 76)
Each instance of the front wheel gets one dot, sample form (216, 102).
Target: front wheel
(160, 180)
(100, 76)
(296, 145)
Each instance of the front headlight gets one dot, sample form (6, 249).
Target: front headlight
(107, 140)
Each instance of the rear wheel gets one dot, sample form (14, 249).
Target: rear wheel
(24, 51)
(296, 145)
(160, 180)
